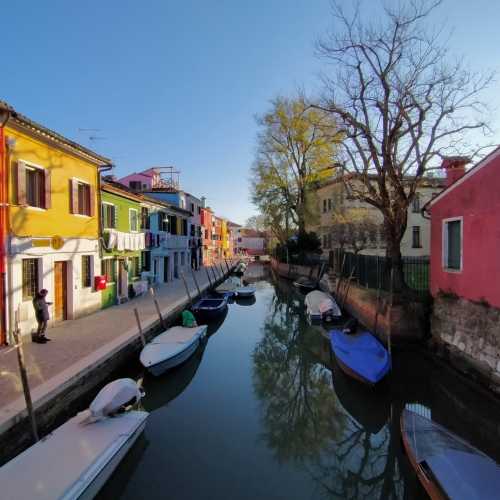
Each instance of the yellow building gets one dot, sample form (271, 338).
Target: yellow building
(53, 222)
(224, 233)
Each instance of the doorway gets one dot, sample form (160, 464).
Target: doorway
(60, 290)
(122, 280)
(166, 268)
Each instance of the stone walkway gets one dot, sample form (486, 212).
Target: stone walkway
(79, 344)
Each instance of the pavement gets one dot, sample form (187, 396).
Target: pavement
(78, 345)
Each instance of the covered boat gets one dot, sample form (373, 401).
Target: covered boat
(171, 348)
(446, 465)
(321, 306)
(360, 356)
(75, 460)
(229, 285)
(210, 307)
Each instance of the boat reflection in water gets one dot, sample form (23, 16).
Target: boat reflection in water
(245, 301)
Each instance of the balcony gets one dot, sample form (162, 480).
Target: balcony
(175, 242)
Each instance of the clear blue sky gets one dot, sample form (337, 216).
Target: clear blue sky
(179, 82)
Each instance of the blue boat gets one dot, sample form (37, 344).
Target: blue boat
(209, 308)
(360, 356)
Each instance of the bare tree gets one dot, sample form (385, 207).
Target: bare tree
(401, 103)
(354, 229)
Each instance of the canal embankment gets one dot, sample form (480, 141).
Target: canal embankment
(83, 354)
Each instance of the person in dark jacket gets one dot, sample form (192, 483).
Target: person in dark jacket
(42, 316)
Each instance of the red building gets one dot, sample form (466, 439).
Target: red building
(465, 231)
(206, 231)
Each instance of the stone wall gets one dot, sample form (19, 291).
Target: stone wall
(468, 334)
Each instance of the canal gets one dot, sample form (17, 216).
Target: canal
(262, 411)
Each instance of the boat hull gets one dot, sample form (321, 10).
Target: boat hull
(210, 311)
(163, 366)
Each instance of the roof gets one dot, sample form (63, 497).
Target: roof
(478, 166)
(437, 182)
(23, 122)
(118, 189)
(163, 203)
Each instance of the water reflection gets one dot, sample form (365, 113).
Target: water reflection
(340, 432)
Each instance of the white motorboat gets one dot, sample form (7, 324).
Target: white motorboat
(76, 460)
(171, 348)
(245, 291)
(321, 306)
(229, 285)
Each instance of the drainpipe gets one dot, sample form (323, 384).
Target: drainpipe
(4, 117)
(100, 170)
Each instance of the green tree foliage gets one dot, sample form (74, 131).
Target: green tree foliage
(296, 148)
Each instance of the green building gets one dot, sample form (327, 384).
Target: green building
(123, 241)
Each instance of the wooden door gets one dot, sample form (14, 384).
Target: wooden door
(60, 290)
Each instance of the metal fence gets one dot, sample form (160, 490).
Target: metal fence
(372, 271)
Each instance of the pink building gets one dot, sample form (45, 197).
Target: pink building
(465, 231)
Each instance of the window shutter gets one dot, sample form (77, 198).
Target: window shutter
(47, 191)
(160, 220)
(73, 201)
(21, 183)
(92, 201)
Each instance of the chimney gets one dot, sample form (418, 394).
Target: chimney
(203, 201)
(455, 168)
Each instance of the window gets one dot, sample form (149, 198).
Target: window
(83, 201)
(416, 237)
(108, 269)
(329, 203)
(452, 244)
(108, 216)
(134, 219)
(35, 187)
(86, 271)
(199, 210)
(30, 278)
(416, 204)
(192, 208)
(135, 185)
(184, 227)
(135, 267)
(173, 224)
(144, 218)
(324, 206)
(163, 221)
(146, 260)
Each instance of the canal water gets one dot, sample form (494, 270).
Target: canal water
(262, 411)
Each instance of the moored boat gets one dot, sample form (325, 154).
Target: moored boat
(75, 460)
(305, 284)
(245, 291)
(210, 307)
(446, 465)
(321, 306)
(360, 356)
(171, 348)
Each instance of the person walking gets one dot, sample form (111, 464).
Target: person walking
(42, 316)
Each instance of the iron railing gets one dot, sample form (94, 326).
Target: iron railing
(373, 271)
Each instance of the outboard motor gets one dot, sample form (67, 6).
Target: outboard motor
(115, 397)
(350, 326)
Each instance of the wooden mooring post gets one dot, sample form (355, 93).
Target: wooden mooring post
(157, 307)
(187, 288)
(24, 376)
(139, 326)
(195, 282)
(208, 276)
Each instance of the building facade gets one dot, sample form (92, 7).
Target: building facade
(206, 231)
(122, 243)
(465, 238)
(332, 202)
(53, 223)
